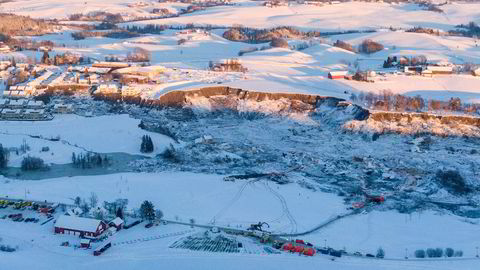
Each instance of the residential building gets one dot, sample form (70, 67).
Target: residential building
(83, 227)
(63, 108)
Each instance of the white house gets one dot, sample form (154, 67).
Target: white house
(62, 108)
(107, 88)
(35, 104)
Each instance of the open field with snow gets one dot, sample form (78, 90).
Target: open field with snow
(105, 134)
(208, 198)
(285, 70)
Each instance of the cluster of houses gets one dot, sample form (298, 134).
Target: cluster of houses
(414, 66)
(111, 88)
(19, 91)
(22, 109)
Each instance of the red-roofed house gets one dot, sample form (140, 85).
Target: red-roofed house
(337, 74)
(83, 227)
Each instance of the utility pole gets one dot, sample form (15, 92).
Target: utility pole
(406, 253)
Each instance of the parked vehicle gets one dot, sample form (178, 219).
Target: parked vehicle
(101, 249)
(323, 250)
(369, 255)
(357, 254)
(335, 253)
(149, 225)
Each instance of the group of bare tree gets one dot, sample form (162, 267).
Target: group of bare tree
(227, 66)
(344, 45)
(387, 101)
(101, 16)
(369, 46)
(16, 25)
(139, 55)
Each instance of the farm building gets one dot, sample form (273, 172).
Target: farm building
(85, 243)
(440, 69)
(333, 75)
(83, 227)
(117, 223)
(427, 73)
(413, 69)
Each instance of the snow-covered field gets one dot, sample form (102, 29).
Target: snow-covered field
(285, 70)
(208, 198)
(103, 134)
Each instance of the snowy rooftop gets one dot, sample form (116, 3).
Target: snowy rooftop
(117, 221)
(35, 103)
(78, 223)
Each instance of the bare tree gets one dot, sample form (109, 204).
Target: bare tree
(93, 200)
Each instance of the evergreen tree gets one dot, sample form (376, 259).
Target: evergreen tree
(147, 210)
(78, 201)
(3, 157)
(147, 144)
(119, 213)
(380, 253)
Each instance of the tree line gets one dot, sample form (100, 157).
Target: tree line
(388, 101)
(89, 160)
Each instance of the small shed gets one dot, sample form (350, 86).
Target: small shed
(117, 223)
(85, 243)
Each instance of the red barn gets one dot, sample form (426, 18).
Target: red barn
(333, 75)
(83, 227)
